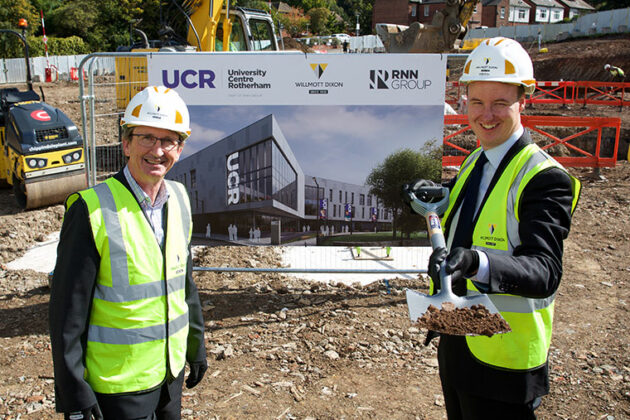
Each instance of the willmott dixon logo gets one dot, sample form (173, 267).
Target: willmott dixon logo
(492, 227)
(319, 68)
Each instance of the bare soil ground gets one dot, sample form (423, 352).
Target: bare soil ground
(284, 348)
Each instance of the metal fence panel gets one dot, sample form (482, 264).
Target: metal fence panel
(609, 21)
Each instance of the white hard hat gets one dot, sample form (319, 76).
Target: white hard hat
(606, 67)
(159, 107)
(500, 60)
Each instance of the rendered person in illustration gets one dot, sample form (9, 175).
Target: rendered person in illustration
(208, 231)
(251, 234)
(125, 315)
(510, 208)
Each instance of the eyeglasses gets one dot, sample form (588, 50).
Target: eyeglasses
(148, 140)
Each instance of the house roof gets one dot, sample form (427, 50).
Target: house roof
(520, 3)
(577, 4)
(491, 2)
(546, 3)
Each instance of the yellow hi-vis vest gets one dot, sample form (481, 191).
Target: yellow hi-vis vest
(496, 232)
(139, 319)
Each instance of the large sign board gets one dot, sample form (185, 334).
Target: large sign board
(296, 135)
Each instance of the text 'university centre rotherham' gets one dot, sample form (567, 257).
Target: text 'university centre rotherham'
(251, 178)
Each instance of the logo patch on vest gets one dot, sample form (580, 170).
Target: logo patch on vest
(491, 240)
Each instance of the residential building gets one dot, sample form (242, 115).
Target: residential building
(545, 11)
(495, 13)
(573, 8)
(519, 12)
(405, 12)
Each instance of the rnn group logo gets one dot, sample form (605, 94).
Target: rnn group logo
(397, 80)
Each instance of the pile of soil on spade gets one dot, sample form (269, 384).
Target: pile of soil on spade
(476, 320)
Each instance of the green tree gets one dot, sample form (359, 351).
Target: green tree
(399, 168)
(318, 18)
(608, 4)
(11, 11)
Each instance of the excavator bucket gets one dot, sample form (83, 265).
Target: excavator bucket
(440, 35)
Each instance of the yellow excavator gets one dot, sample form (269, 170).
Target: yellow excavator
(209, 25)
(440, 35)
(41, 149)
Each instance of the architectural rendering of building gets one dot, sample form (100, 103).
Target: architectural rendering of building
(251, 178)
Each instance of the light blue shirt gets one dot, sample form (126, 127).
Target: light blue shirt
(153, 211)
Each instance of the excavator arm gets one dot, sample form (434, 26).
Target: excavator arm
(447, 25)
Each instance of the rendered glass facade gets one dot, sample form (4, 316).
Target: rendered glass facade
(265, 173)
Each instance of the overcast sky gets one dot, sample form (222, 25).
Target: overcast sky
(338, 142)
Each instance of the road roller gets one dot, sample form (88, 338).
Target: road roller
(42, 154)
(41, 149)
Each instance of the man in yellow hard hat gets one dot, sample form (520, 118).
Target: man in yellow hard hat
(125, 315)
(510, 208)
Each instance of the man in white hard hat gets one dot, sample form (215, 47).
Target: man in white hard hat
(510, 209)
(125, 315)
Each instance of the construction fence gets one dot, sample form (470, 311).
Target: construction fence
(563, 93)
(573, 141)
(600, 23)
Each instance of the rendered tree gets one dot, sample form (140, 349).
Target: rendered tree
(399, 168)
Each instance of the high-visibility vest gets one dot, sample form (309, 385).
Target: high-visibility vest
(139, 318)
(496, 232)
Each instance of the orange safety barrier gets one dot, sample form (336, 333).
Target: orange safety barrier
(453, 92)
(553, 93)
(595, 145)
(563, 92)
(603, 93)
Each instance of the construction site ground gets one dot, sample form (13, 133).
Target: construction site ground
(284, 348)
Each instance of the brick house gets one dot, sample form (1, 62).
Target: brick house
(495, 13)
(405, 12)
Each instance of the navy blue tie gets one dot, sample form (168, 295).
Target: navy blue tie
(464, 229)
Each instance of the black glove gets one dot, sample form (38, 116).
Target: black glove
(90, 413)
(435, 260)
(197, 370)
(430, 336)
(462, 262)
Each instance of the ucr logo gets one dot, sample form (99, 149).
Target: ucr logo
(40, 115)
(232, 179)
(189, 79)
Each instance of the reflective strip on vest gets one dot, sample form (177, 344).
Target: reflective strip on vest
(135, 335)
(496, 232)
(134, 353)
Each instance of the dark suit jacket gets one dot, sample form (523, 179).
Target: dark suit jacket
(534, 270)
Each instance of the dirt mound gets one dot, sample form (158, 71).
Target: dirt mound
(581, 59)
